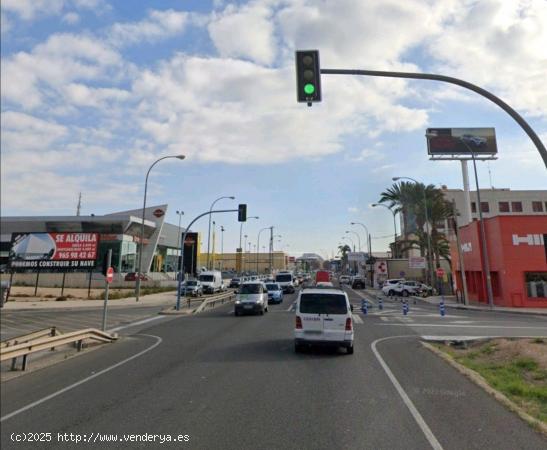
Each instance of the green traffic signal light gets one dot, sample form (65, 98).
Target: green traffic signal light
(309, 89)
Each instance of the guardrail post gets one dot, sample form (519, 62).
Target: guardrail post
(53, 334)
(79, 345)
(13, 363)
(24, 366)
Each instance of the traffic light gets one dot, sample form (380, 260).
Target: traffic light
(242, 213)
(308, 76)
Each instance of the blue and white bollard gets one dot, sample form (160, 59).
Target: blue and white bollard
(364, 306)
(442, 308)
(405, 308)
(380, 304)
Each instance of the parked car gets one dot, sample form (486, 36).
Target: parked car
(387, 288)
(358, 283)
(323, 317)
(252, 297)
(193, 288)
(132, 276)
(406, 288)
(275, 293)
(235, 282)
(426, 290)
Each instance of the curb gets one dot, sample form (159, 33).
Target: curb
(481, 382)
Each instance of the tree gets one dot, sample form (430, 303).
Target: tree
(343, 250)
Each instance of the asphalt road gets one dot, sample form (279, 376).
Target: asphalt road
(235, 382)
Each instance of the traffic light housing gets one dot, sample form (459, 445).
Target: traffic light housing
(308, 76)
(242, 213)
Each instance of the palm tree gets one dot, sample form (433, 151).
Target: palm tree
(344, 250)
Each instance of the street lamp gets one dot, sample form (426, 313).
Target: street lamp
(138, 282)
(209, 232)
(394, 227)
(369, 249)
(222, 247)
(258, 244)
(358, 237)
(180, 214)
(429, 255)
(351, 240)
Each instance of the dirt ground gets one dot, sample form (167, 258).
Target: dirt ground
(26, 293)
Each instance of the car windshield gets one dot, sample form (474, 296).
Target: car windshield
(272, 287)
(206, 278)
(323, 304)
(191, 283)
(253, 288)
(283, 277)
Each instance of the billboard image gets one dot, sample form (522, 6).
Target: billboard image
(461, 141)
(53, 251)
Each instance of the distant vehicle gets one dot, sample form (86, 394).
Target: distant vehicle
(323, 317)
(235, 282)
(324, 285)
(322, 275)
(426, 290)
(358, 282)
(474, 141)
(275, 293)
(406, 288)
(211, 281)
(132, 276)
(252, 297)
(387, 288)
(192, 287)
(286, 281)
(344, 279)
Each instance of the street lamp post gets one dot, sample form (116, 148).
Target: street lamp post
(209, 232)
(369, 249)
(258, 244)
(221, 247)
(358, 238)
(242, 249)
(180, 214)
(351, 240)
(138, 282)
(428, 229)
(395, 253)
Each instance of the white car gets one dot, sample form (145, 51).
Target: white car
(389, 285)
(323, 317)
(344, 279)
(252, 297)
(406, 288)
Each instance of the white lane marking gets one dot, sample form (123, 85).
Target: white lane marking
(385, 319)
(363, 296)
(140, 322)
(461, 326)
(293, 305)
(357, 319)
(85, 380)
(406, 399)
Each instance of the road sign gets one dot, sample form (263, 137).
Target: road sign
(440, 272)
(416, 262)
(109, 275)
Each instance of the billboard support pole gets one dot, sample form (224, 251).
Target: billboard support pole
(63, 284)
(466, 193)
(430, 76)
(89, 284)
(36, 284)
(108, 264)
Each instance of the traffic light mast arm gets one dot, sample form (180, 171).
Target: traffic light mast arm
(430, 76)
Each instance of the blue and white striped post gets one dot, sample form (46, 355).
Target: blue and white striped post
(442, 308)
(364, 306)
(405, 308)
(380, 304)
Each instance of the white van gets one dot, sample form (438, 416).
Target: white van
(286, 281)
(323, 316)
(211, 280)
(252, 297)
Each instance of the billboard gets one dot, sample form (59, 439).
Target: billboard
(53, 251)
(356, 256)
(416, 262)
(461, 141)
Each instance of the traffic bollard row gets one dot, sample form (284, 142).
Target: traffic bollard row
(405, 308)
(364, 306)
(442, 308)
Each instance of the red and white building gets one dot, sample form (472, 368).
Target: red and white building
(517, 255)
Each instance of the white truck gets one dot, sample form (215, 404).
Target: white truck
(211, 280)
(286, 281)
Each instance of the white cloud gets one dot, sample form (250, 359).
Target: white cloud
(22, 131)
(254, 38)
(30, 9)
(353, 209)
(158, 25)
(71, 18)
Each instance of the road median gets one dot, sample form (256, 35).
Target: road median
(514, 371)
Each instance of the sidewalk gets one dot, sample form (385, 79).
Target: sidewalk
(450, 302)
(159, 299)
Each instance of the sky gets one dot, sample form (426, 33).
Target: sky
(94, 91)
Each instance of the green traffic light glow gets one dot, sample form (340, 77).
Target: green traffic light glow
(309, 88)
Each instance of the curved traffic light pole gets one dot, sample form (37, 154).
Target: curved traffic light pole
(430, 76)
(180, 274)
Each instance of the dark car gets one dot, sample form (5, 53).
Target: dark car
(235, 282)
(358, 283)
(132, 276)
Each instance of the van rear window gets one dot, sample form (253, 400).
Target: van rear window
(206, 278)
(323, 304)
(284, 277)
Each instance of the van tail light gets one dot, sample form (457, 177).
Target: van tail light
(298, 323)
(349, 325)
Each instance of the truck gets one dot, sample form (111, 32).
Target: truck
(211, 280)
(286, 281)
(322, 276)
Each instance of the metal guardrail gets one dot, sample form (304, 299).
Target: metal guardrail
(50, 331)
(36, 342)
(222, 298)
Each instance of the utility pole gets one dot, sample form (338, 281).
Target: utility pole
(79, 207)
